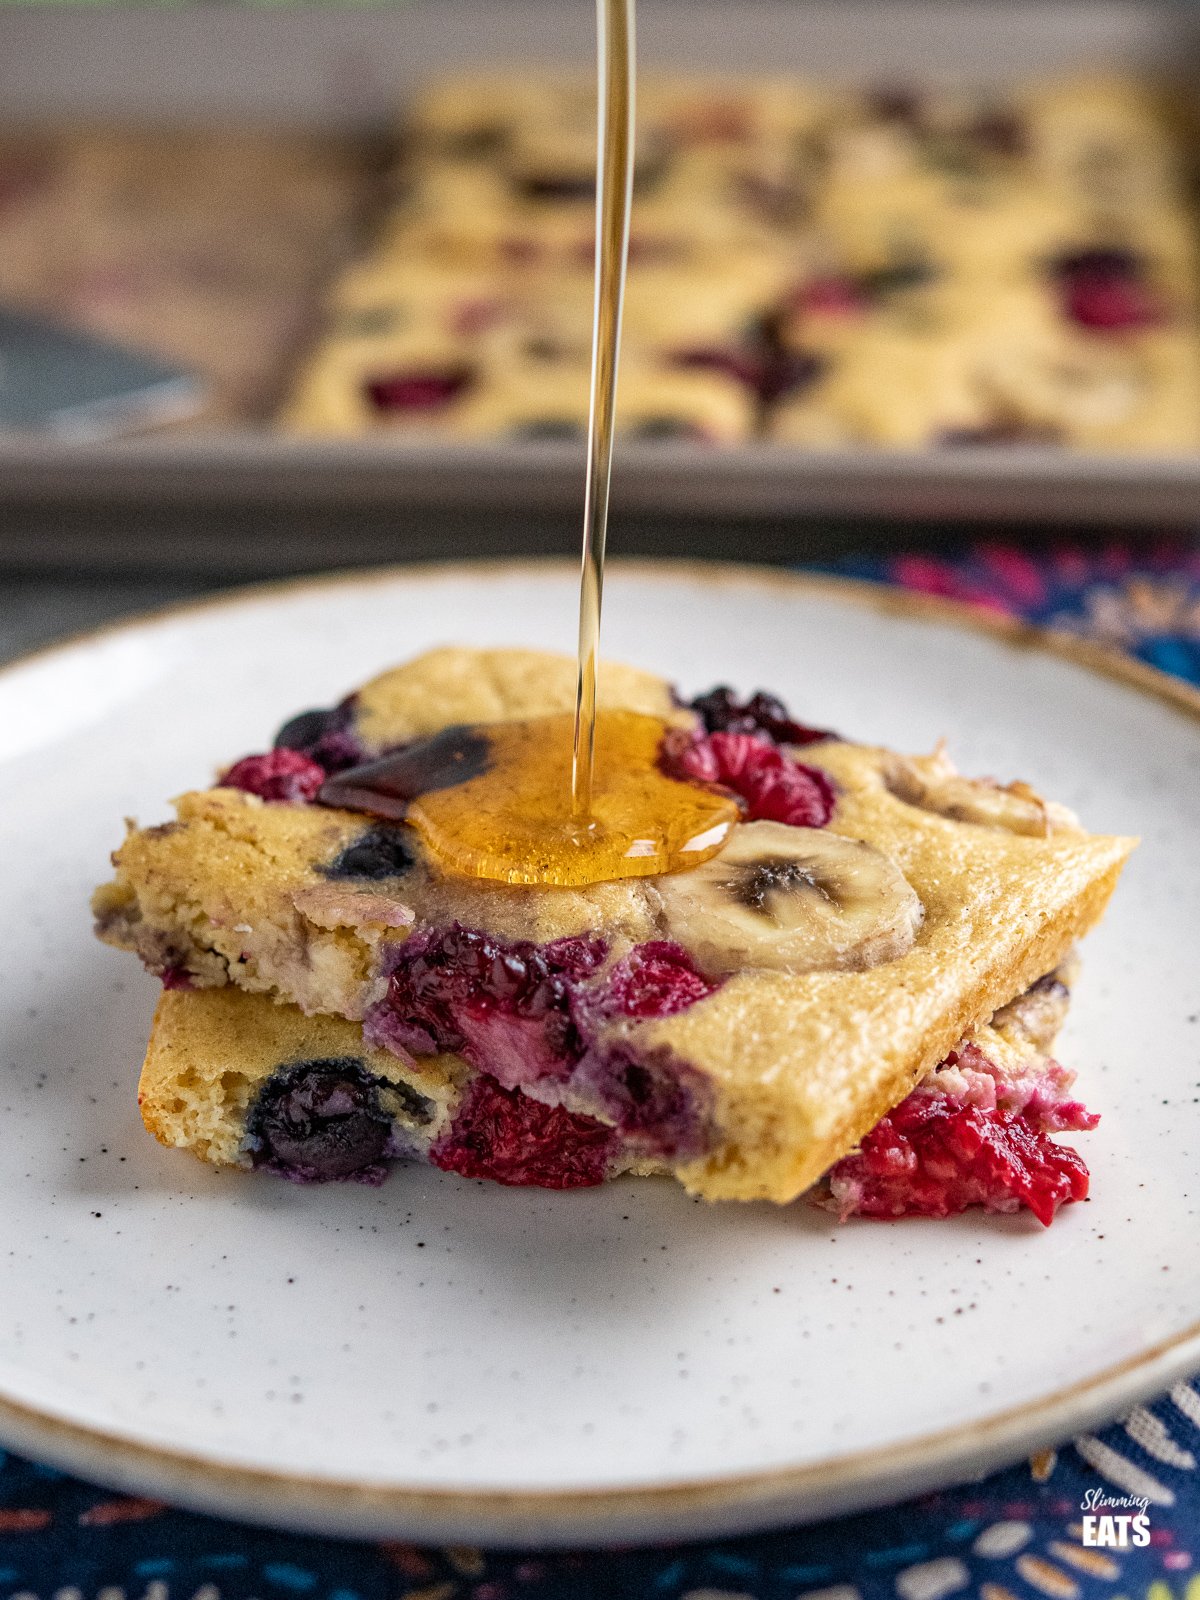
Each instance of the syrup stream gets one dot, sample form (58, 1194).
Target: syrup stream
(615, 52)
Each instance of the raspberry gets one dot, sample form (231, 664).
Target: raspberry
(721, 712)
(507, 1008)
(656, 980)
(1040, 1094)
(1106, 289)
(934, 1157)
(418, 391)
(1095, 301)
(279, 775)
(505, 1135)
(773, 786)
(831, 297)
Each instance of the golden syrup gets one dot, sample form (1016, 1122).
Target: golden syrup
(509, 823)
(615, 68)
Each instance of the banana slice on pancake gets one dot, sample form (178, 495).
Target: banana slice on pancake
(935, 784)
(793, 899)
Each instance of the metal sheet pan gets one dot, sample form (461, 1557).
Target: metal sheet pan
(351, 67)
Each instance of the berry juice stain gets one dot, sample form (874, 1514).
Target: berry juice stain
(493, 802)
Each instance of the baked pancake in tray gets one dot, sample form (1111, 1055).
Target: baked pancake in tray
(825, 265)
(857, 987)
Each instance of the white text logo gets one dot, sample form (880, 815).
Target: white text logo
(1115, 1521)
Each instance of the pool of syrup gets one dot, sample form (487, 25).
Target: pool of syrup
(492, 801)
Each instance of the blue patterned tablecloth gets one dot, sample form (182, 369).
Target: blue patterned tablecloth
(1016, 1536)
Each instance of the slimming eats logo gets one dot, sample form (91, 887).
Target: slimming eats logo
(1115, 1520)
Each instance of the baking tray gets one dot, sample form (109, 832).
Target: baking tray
(351, 68)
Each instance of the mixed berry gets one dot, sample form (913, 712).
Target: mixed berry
(986, 1144)
(326, 736)
(321, 1121)
(525, 1014)
(1106, 290)
(512, 1138)
(772, 785)
(279, 775)
(505, 1007)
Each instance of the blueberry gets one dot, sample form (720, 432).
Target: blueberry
(378, 853)
(655, 428)
(722, 712)
(304, 731)
(1112, 261)
(556, 186)
(318, 1121)
(548, 429)
(326, 736)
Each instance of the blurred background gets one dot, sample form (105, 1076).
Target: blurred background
(285, 288)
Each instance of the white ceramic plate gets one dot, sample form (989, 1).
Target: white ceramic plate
(442, 1358)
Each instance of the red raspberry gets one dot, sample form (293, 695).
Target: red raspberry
(831, 297)
(1109, 302)
(418, 390)
(656, 980)
(932, 1157)
(276, 776)
(1106, 288)
(508, 1136)
(773, 786)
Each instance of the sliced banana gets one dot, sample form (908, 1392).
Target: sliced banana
(797, 899)
(935, 784)
(1035, 1017)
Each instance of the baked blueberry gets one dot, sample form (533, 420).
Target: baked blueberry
(378, 853)
(319, 1121)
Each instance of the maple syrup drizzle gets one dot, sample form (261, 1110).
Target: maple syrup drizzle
(489, 801)
(615, 58)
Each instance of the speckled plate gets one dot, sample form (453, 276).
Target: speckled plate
(445, 1359)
